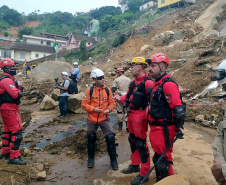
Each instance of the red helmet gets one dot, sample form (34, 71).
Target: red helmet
(119, 70)
(6, 62)
(157, 58)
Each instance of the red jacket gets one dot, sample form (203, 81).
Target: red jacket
(8, 84)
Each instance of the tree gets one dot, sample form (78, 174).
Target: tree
(83, 49)
(134, 6)
(11, 16)
(6, 34)
(105, 10)
(25, 31)
(107, 22)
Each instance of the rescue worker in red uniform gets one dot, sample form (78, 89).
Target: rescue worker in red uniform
(166, 114)
(136, 102)
(10, 94)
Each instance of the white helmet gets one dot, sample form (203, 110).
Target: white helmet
(96, 73)
(64, 73)
(219, 74)
(75, 64)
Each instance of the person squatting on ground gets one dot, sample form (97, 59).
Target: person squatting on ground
(10, 94)
(75, 76)
(166, 113)
(98, 102)
(219, 144)
(63, 95)
(136, 102)
(120, 86)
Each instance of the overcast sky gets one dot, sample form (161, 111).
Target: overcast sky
(72, 6)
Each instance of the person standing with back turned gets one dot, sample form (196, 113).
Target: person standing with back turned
(136, 102)
(75, 76)
(98, 102)
(10, 94)
(120, 86)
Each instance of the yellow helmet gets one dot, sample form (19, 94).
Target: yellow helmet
(138, 61)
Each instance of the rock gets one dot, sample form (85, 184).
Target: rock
(70, 153)
(41, 175)
(146, 48)
(26, 152)
(206, 124)
(56, 95)
(54, 152)
(199, 118)
(178, 36)
(74, 101)
(178, 179)
(168, 33)
(32, 101)
(191, 33)
(47, 103)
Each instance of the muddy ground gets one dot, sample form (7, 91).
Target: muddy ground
(55, 149)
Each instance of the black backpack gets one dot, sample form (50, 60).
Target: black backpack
(71, 87)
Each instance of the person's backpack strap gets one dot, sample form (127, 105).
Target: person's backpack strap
(91, 93)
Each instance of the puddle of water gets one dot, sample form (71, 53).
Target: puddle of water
(75, 126)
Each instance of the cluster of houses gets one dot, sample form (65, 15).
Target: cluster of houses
(34, 47)
(160, 4)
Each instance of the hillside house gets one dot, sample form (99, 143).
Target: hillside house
(21, 51)
(47, 39)
(148, 5)
(123, 4)
(75, 40)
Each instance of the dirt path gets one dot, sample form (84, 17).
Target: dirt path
(192, 157)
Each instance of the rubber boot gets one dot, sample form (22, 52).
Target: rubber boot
(61, 113)
(127, 127)
(5, 156)
(91, 149)
(119, 126)
(110, 139)
(17, 161)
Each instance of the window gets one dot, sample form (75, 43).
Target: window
(22, 55)
(36, 55)
(41, 41)
(44, 55)
(88, 43)
(162, 1)
(48, 43)
(5, 53)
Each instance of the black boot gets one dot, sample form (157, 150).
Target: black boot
(127, 127)
(137, 180)
(131, 169)
(91, 149)
(17, 161)
(64, 114)
(61, 113)
(110, 138)
(119, 126)
(5, 156)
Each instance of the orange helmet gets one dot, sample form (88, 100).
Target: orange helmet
(119, 70)
(6, 62)
(157, 58)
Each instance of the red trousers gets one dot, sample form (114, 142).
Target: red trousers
(12, 124)
(138, 126)
(157, 140)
